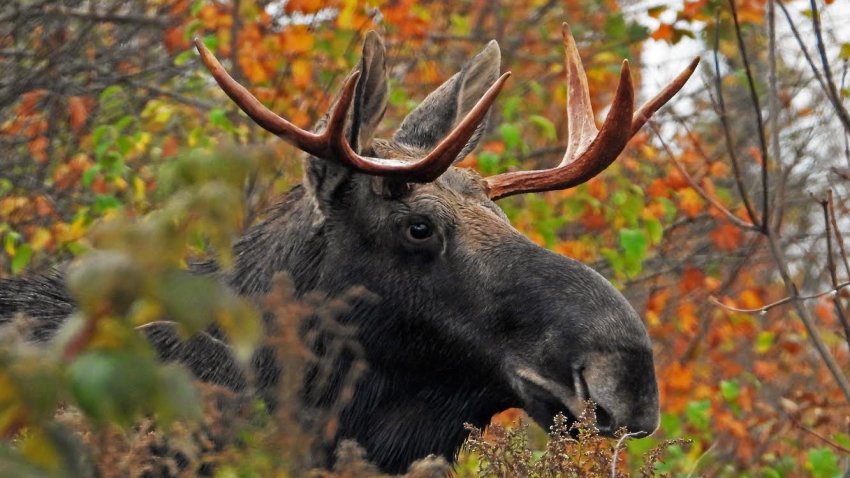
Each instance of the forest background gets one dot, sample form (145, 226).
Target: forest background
(723, 221)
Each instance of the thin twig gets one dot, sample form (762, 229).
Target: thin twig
(765, 214)
(617, 447)
(727, 133)
(820, 437)
(702, 192)
(834, 97)
(838, 237)
(830, 262)
(773, 115)
(65, 12)
(779, 302)
(803, 48)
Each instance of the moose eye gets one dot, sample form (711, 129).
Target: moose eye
(419, 231)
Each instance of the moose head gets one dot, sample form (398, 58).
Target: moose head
(471, 317)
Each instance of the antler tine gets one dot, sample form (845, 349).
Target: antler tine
(589, 151)
(268, 120)
(332, 143)
(581, 126)
(650, 107)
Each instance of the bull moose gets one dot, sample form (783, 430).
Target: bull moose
(471, 317)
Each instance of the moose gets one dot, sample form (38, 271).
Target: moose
(468, 317)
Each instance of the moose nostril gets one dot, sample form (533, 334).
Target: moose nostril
(604, 420)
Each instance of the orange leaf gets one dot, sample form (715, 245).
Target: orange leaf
(692, 279)
(676, 180)
(38, 148)
(658, 300)
(305, 6)
(679, 377)
(765, 369)
(29, 101)
(718, 169)
(726, 237)
(664, 32)
(43, 207)
(658, 189)
(825, 311)
(175, 39)
(755, 153)
(99, 185)
(296, 39)
(78, 112)
(597, 188)
(750, 299)
(687, 318)
(593, 221)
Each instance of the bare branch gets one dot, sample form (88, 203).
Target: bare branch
(773, 115)
(782, 301)
(64, 12)
(837, 231)
(830, 263)
(727, 133)
(765, 214)
(834, 97)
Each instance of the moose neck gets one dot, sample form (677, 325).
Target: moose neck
(289, 240)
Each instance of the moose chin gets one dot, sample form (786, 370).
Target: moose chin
(467, 317)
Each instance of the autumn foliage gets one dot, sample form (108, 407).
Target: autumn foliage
(98, 97)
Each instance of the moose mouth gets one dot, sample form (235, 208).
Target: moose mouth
(543, 399)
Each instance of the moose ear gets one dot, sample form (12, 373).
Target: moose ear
(326, 178)
(370, 97)
(447, 105)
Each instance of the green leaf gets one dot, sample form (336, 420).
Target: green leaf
(511, 105)
(488, 163)
(218, 117)
(546, 126)
(22, 257)
(190, 299)
(398, 97)
(121, 386)
(634, 243)
(654, 229)
(823, 463)
(112, 386)
(105, 202)
(698, 413)
(764, 341)
(729, 390)
(89, 175)
(510, 135)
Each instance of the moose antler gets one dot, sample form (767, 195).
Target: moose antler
(589, 150)
(331, 144)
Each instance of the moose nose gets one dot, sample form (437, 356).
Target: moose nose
(637, 427)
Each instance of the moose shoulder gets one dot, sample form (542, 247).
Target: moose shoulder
(466, 316)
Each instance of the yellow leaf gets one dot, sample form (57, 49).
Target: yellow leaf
(40, 239)
(39, 449)
(302, 73)
(690, 202)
